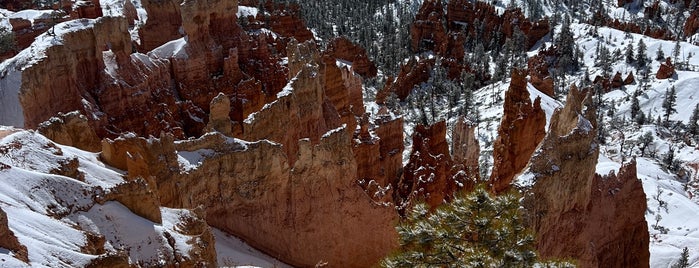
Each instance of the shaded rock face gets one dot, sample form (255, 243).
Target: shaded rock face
(72, 129)
(343, 49)
(427, 31)
(219, 115)
(465, 148)
(343, 89)
(302, 213)
(9, 241)
(666, 70)
(462, 13)
(520, 131)
(294, 194)
(538, 67)
(597, 220)
(164, 90)
(162, 25)
(617, 82)
(691, 26)
(630, 79)
(414, 72)
(430, 175)
(379, 158)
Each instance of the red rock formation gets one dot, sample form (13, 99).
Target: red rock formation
(629, 79)
(616, 80)
(343, 49)
(71, 129)
(9, 241)
(666, 70)
(572, 208)
(219, 115)
(538, 67)
(163, 24)
(85, 9)
(521, 130)
(304, 109)
(17, 5)
(301, 213)
(427, 31)
(465, 149)
(462, 13)
(344, 90)
(413, 73)
(379, 158)
(430, 174)
(286, 20)
(691, 26)
(622, 3)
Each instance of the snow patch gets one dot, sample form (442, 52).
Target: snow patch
(172, 49)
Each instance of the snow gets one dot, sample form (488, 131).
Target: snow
(244, 11)
(289, 88)
(525, 180)
(192, 160)
(233, 252)
(11, 112)
(334, 131)
(33, 15)
(117, 8)
(679, 218)
(172, 49)
(52, 214)
(606, 166)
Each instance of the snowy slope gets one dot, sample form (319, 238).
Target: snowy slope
(53, 215)
(676, 227)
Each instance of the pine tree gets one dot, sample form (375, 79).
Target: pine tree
(7, 40)
(640, 118)
(676, 52)
(669, 160)
(683, 262)
(635, 107)
(641, 59)
(565, 47)
(475, 230)
(694, 121)
(630, 56)
(669, 104)
(644, 141)
(660, 55)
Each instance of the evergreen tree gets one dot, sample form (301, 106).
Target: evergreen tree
(604, 61)
(669, 160)
(669, 104)
(640, 118)
(641, 59)
(683, 262)
(635, 107)
(7, 40)
(676, 52)
(630, 56)
(565, 47)
(694, 121)
(644, 141)
(475, 230)
(659, 54)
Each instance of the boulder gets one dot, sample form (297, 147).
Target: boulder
(666, 70)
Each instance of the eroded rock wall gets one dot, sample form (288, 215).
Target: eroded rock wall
(520, 131)
(597, 220)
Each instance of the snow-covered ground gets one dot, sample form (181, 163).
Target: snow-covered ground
(52, 214)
